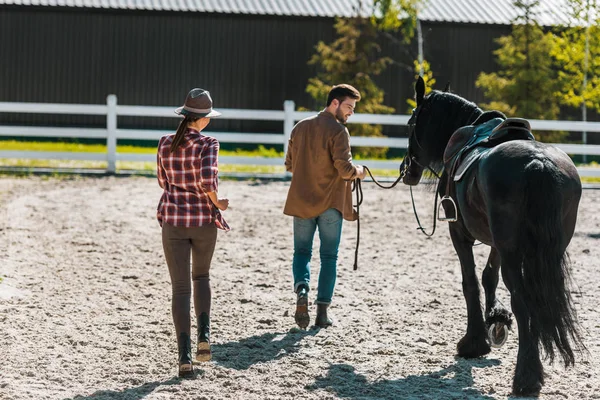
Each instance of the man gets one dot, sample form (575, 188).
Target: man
(320, 196)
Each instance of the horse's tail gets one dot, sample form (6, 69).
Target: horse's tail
(545, 265)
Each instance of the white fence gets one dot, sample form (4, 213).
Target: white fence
(288, 116)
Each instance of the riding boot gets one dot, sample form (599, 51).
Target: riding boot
(302, 318)
(186, 368)
(203, 352)
(322, 320)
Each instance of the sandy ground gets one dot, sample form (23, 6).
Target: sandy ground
(85, 302)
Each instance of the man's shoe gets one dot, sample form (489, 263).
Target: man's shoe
(186, 368)
(203, 351)
(302, 318)
(322, 320)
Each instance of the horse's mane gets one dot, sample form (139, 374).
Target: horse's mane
(445, 112)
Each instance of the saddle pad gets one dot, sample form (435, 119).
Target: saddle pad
(469, 136)
(474, 155)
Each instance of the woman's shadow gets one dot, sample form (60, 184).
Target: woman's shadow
(453, 382)
(256, 349)
(134, 393)
(237, 355)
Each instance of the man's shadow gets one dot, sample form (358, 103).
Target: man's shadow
(134, 393)
(453, 382)
(243, 354)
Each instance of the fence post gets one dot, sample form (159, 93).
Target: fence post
(288, 122)
(111, 133)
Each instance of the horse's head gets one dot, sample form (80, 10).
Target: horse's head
(412, 167)
(433, 121)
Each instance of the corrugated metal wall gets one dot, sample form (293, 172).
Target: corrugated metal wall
(154, 58)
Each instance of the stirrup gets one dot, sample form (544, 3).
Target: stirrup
(448, 219)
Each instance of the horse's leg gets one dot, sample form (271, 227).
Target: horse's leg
(474, 343)
(529, 372)
(495, 313)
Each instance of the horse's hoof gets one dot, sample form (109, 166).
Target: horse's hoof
(533, 391)
(472, 347)
(529, 377)
(497, 335)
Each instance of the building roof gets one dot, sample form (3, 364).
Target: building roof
(549, 12)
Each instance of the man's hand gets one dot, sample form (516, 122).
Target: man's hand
(222, 204)
(360, 172)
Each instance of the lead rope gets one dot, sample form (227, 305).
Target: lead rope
(357, 186)
(434, 213)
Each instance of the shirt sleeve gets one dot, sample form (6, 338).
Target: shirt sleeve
(342, 155)
(160, 172)
(209, 167)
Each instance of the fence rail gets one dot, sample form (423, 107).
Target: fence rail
(288, 116)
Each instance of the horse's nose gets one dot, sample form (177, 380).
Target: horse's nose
(411, 180)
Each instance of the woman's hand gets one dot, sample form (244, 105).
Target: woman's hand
(222, 204)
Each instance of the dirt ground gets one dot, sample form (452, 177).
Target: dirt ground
(85, 302)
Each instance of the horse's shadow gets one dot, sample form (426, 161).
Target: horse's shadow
(453, 382)
(243, 354)
(134, 393)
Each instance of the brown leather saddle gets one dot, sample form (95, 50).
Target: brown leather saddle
(469, 143)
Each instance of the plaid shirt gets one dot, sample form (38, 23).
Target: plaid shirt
(187, 176)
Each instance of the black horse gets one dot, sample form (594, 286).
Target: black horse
(520, 197)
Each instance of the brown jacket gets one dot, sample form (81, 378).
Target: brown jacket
(320, 160)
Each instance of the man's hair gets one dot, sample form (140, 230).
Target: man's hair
(340, 92)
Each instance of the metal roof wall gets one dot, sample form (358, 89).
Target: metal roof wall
(148, 58)
(246, 61)
(549, 12)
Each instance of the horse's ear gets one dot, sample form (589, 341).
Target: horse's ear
(420, 90)
(447, 88)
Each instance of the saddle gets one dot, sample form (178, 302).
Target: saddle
(471, 142)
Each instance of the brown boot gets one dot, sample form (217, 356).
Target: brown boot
(302, 318)
(186, 368)
(203, 350)
(322, 320)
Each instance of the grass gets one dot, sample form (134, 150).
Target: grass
(262, 151)
(150, 167)
(145, 167)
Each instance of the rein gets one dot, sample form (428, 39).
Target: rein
(357, 186)
(434, 211)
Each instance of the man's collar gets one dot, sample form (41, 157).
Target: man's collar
(327, 113)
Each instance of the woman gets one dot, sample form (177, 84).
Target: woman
(188, 212)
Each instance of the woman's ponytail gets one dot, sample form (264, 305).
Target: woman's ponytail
(178, 139)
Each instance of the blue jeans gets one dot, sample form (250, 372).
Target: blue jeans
(330, 233)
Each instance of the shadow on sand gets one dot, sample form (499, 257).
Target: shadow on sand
(134, 393)
(237, 355)
(243, 354)
(453, 382)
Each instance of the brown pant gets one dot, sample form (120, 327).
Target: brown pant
(178, 243)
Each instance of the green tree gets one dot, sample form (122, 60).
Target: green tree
(396, 15)
(576, 52)
(526, 83)
(354, 57)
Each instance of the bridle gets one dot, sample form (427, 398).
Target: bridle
(357, 187)
(412, 137)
